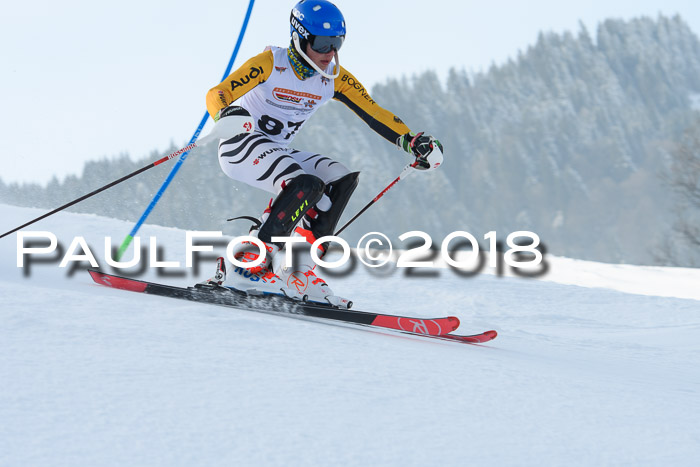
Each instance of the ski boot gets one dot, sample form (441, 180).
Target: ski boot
(300, 277)
(248, 252)
(262, 282)
(219, 275)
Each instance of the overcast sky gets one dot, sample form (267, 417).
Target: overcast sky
(83, 80)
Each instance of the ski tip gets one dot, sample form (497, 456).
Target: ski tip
(454, 321)
(479, 338)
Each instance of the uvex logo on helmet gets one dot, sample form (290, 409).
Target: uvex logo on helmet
(300, 29)
(311, 18)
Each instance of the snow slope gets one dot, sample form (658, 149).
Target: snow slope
(578, 375)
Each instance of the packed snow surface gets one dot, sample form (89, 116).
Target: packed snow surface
(594, 365)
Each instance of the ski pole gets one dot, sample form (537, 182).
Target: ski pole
(404, 173)
(210, 137)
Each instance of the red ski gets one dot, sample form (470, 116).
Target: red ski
(434, 327)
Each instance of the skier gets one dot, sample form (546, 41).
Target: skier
(280, 89)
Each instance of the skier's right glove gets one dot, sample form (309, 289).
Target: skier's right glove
(426, 149)
(229, 111)
(231, 121)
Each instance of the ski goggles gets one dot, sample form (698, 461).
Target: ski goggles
(324, 44)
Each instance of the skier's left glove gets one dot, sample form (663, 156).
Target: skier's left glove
(426, 149)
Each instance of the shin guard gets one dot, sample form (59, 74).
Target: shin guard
(339, 193)
(297, 197)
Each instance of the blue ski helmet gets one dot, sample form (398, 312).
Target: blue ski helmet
(320, 23)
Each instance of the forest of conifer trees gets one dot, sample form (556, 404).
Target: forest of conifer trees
(572, 139)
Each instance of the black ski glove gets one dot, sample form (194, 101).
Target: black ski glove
(426, 149)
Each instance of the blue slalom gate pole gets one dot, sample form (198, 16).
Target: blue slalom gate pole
(127, 241)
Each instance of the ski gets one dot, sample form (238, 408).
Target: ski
(213, 294)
